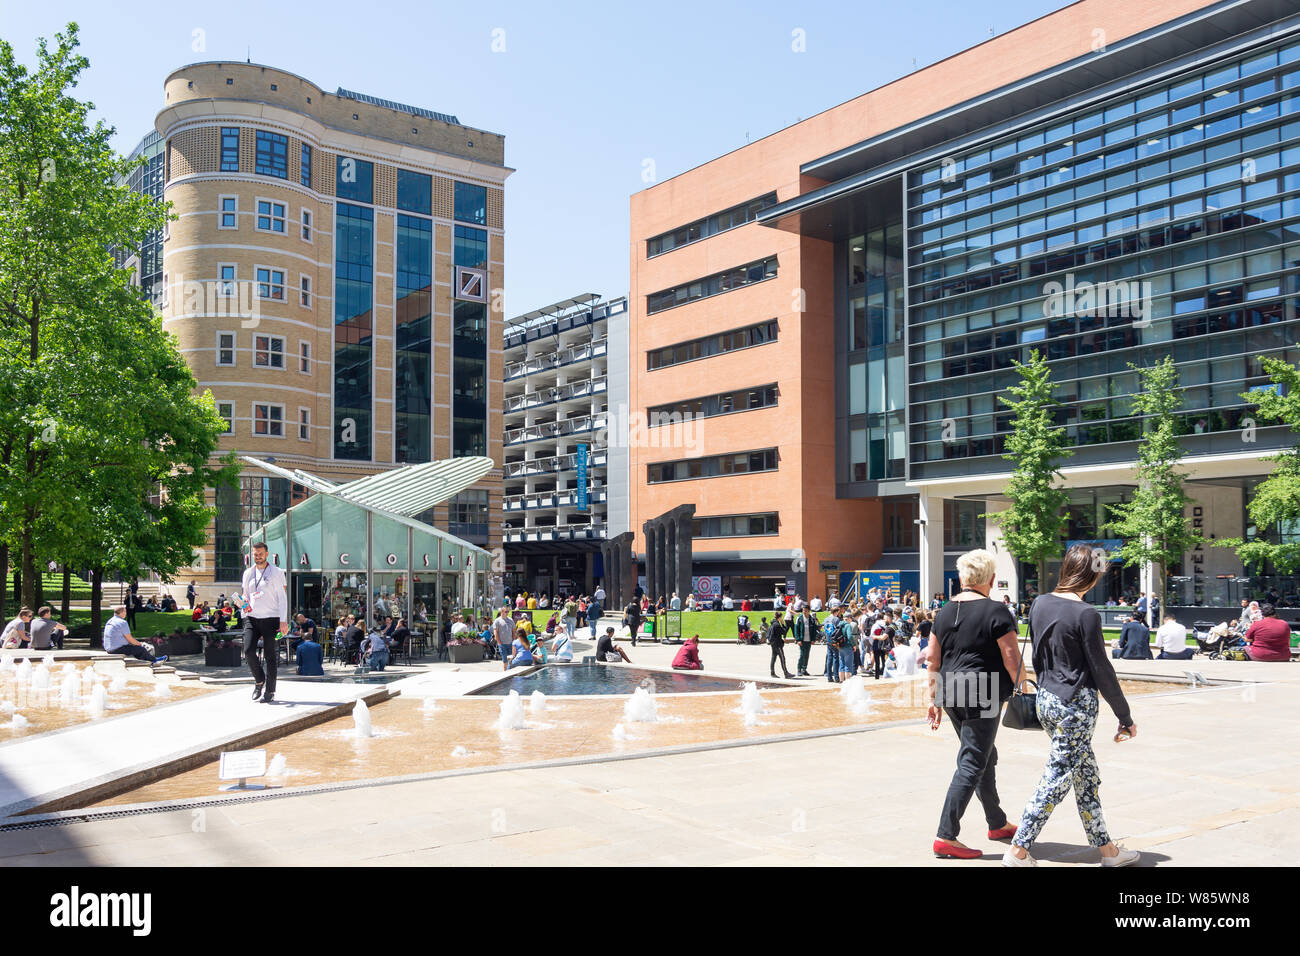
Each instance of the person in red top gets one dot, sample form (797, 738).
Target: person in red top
(1269, 638)
(745, 606)
(688, 658)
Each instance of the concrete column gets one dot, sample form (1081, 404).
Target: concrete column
(651, 556)
(670, 552)
(931, 538)
(684, 556)
(1008, 569)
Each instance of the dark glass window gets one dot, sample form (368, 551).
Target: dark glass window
(412, 407)
(712, 285)
(414, 191)
(353, 330)
(748, 337)
(709, 226)
(470, 248)
(230, 149)
(354, 179)
(471, 203)
(304, 166)
(725, 403)
(272, 155)
(715, 466)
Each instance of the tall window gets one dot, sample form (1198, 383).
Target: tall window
(353, 330)
(469, 365)
(225, 348)
(304, 291)
(413, 406)
(272, 155)
(226, 411)
(226, 286)
(414, 191)
(230, 149)
(304, 166)
(304, 357)
(306, 225)
(229, 212)
(304, 424)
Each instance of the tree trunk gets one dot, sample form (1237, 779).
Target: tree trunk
(28, 598)
(38, 583)
(4, 582)
(96, 602)
(66, 610)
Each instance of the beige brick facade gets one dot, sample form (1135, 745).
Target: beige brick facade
(278, 351)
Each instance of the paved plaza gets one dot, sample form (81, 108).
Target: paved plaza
(1213, 778)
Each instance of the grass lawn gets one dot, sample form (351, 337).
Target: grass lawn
(147, 623)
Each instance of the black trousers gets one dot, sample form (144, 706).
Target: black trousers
(879, 653)
(778, 654)
(268, 629)
(138, 651)
(977, 760)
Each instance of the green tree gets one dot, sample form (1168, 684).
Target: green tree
(1035, 524)
(1276, 504)
(1154, 523)
(102, 438)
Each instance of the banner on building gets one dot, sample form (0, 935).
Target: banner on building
(582, 455)
(707, 585)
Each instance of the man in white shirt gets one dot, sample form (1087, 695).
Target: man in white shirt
(676, 603)
(815, 605)
(1171, 638)
(834, 602)
(727, 603)
(119, 640)
(599, 595)
(266, 616)
(15, 631)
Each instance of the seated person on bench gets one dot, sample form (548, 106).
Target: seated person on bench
(118, 639)
(1171, 637)
(1269, 638)
(1134, 640)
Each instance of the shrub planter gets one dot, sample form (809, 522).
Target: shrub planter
(215, 655)
(177, 644)
(465, 653)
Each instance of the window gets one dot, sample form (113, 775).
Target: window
(230, 149)
(270, 284)
(304, 423)
(736, 526)
(304, 166)
(304, 291)
(470, 248)
(304, 357)
(229, 212)
(228, 274)
(717, 466)
(226, 348)
(414, 191)
(268, 420)
(306, 225)
(226, 410)
(725, 403)
(712, 285)
(270, 216)
(272, 155)
(710, 226)
(354, 179)
(745, 338)
(471, 203)
(268, 351)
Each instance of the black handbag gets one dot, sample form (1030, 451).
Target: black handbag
(1022, 709)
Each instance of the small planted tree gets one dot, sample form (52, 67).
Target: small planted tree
(1276, 504)
(1034, 526)
(1154, 524)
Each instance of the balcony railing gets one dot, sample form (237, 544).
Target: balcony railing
(556, 393)
(568, 533)
(570, 426)
(553, 499)
(543, 466)
(574, 353)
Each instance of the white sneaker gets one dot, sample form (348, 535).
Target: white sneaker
(1010, 859)
(1123, 858)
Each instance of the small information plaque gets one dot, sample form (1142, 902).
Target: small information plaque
(240, 765)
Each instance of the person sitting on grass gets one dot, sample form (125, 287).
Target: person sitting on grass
(522, 653)
(688, 657)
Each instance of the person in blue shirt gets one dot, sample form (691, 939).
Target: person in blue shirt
(310, 657)
(522, 655)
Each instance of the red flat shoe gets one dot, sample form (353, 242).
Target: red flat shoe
(948, 851)
(1006, 833)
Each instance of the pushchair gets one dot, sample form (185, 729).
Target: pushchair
(1213, 639)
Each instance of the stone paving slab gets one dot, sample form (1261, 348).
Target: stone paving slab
(48, 770)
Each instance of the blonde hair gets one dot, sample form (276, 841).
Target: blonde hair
(976, 567)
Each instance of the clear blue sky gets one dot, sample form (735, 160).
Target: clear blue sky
(584, 92)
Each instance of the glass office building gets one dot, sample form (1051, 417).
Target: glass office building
(1139, 202)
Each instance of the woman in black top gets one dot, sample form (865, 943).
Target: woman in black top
(1072, 668)
(972, 657)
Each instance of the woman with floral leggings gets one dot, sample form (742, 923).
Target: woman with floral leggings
(1072, 670)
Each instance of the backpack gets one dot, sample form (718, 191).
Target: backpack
(830, 627)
